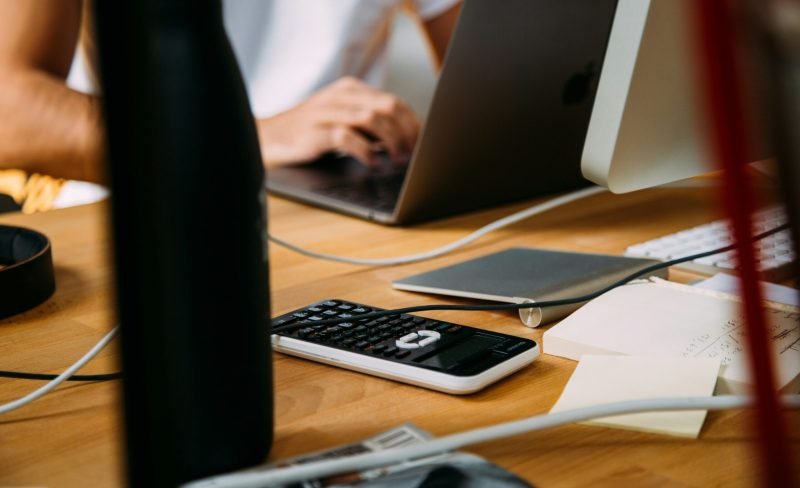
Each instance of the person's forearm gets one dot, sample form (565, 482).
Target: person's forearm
(48, 128)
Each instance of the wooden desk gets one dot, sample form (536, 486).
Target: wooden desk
(72, 437)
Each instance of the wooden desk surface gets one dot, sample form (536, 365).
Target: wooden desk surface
(71, 438)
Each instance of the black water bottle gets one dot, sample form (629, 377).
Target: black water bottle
(189, 232)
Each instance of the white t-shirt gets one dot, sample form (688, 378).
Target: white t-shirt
(288, 49)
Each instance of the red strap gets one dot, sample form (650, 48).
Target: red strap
(715, 22)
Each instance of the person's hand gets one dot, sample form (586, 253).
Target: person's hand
(347, 116)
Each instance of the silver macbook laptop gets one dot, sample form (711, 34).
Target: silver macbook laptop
(507, 122)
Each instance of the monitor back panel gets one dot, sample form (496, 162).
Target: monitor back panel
(512, 106)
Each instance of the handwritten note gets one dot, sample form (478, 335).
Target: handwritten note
(668, 319)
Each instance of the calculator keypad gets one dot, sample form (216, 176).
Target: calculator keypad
(391, 337)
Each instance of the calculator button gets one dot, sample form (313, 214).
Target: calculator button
(390, 350)
(418, 320)
(300, 315)
(330, 303)
(426, 341)
(330, 312)
(345, 315)
(345, 306)
(362, 345)
(283, 321)
(454, 328)
(378, 349)
(315, 309)
(408, 337)
(406, 345)
(345, 325)
(429, 333)
(360, 310)
(315, 318)
(402, 354)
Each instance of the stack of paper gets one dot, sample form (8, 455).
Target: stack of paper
(662, 319)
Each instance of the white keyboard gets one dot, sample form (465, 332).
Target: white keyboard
(775, 253)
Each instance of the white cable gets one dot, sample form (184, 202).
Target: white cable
(285, 476)
(497, 224)
(62, 377)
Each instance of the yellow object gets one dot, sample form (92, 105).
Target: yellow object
(35, 193)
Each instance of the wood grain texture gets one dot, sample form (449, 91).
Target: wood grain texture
(72, 437)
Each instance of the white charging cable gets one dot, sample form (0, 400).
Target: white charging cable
(497, 224)
(286, 476)
(51, 385)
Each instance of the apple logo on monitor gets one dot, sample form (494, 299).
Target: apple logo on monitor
(577, 87)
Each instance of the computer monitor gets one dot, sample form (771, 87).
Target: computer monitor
(648, 123)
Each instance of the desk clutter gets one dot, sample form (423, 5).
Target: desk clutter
(455, 468)
(665, 319)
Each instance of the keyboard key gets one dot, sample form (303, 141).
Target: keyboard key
(717, 234)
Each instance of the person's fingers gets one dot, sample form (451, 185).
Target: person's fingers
(396, 110)
(403, 117)
(378, 125)
(383, 115)
(347, 140)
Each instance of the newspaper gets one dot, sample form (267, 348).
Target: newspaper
(448, 469)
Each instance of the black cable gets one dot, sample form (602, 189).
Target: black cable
(43, 376)
(519, 306)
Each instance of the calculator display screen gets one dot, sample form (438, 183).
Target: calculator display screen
(462, 350)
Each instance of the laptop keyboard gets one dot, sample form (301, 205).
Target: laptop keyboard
(378, 191)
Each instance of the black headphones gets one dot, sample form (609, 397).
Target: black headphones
(26, 270)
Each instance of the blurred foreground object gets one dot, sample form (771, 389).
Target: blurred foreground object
(726, 45)
(189, 226)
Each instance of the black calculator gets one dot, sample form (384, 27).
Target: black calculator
(430, 353)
